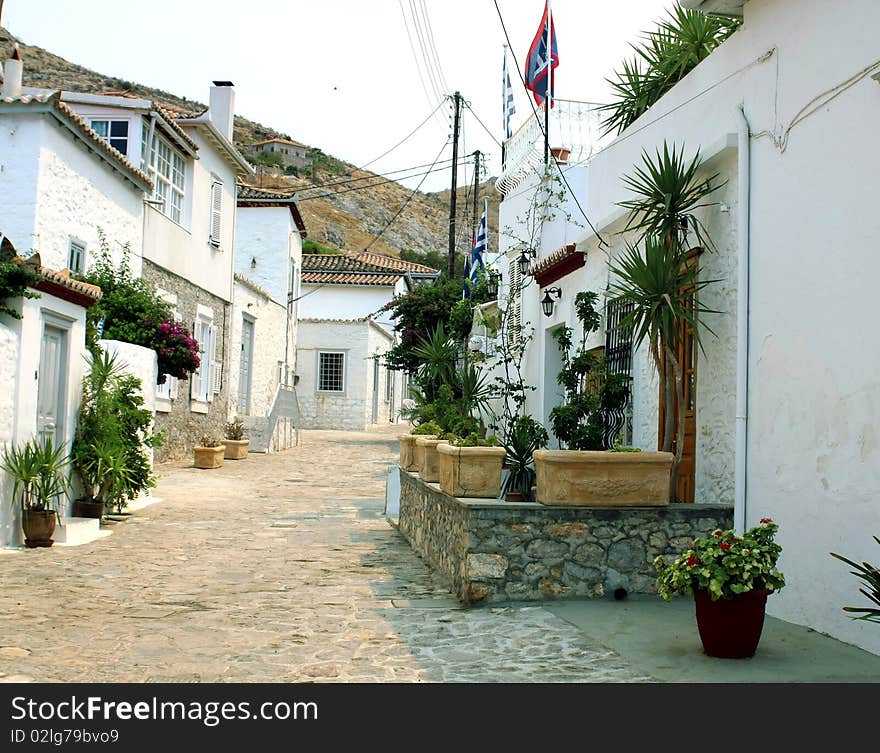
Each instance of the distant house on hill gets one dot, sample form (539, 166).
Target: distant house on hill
(290, 152)
(343, 335)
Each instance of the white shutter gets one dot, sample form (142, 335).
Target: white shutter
(212, 381)
(197, 378)
(216, 212)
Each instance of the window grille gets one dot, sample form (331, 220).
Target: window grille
(331, 372)
(76, 257)
(618, 360)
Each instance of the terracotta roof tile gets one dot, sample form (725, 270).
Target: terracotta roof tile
(552, 259)
(363, 262)
(54, 99)
(349, 278)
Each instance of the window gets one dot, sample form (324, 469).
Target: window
(205, 381)
(389, 385)
(216, 211)
(76, 257)
(168, 170)
(114, 132)
(331, 372)
(514, 325)
(291, 287)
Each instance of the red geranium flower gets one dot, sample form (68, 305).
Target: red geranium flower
(718, 533)
(692, 561)
(766, 520)
(724, 546)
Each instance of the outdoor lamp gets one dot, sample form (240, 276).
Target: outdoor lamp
(492, 285)
(525, 260)
(550, 295)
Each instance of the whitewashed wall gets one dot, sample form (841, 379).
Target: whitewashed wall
(9, 527)
(321, 410)
(184, 249)
(348, 301)
(54, 190)
(269, 349)
(813, 457)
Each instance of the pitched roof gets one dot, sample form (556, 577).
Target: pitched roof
(55, 282)
(364, 262)
(349, 278)
(248, 196)
(52, 103)
(389, 262)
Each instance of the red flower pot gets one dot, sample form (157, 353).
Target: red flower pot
(731, 628)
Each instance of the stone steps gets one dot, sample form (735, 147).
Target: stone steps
(78, 531)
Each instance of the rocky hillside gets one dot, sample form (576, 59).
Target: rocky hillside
(346, 221)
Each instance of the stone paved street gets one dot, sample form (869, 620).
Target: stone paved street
(280, 568)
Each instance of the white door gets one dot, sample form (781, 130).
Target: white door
(245, 368)
(52, 384)
(375, 418)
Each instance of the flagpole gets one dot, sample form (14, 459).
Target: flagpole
(547, 102)
(504, 110)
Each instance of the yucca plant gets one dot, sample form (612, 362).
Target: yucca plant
(871, 575)
(525, 435)
(667, 190)
(663, 58)
(663, 291)
(38, 471)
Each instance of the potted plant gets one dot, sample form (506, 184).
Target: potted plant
(209, 454)
(38, 472)
(471, 466)
(110, 451)
(236, 443)
(870, 574)
(524, 437)
(730, 577)
(582, 472)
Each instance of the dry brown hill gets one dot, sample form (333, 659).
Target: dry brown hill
(347, 220)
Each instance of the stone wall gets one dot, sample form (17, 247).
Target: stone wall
(183, 421)
(501, 551)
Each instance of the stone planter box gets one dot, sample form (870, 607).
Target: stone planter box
(208, 457)
(236, 449)
(429, 460)
(407, 452)
(602, 479)
(470, 471)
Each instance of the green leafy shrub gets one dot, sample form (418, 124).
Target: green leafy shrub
(235, 431)
(474, 440)
(37, 470)
(429, 428)
(724, 564)
(16, 281)
(110, 450)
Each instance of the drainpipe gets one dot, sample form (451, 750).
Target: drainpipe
(740, 505)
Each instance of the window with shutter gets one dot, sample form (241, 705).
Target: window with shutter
(201, 379)
(216, 373)
(216, 210)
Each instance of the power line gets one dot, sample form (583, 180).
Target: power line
(473, 112)
(408, 199)
(433, 46)
(431, 99)
(372, 176)
(377, 183)
(602, 241)
(429, 68)
(405, 138)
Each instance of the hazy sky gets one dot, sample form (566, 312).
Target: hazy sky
(340, 74)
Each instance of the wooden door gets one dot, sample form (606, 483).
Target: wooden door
(686, 352)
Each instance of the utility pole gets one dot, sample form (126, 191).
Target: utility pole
(456, 98)
(476, 188)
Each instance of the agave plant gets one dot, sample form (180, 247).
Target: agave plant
(871, 575)
(39, 474)
(524, 437)
(663, 58)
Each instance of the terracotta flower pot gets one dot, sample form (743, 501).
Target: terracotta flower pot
(208, 457)
(470, 471)
(236, 449)
(39, 527)
(731, 628)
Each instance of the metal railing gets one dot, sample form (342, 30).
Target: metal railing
(575, 126)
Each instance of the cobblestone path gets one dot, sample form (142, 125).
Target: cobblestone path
(279, 568)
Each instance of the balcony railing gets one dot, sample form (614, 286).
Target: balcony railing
(575, 126)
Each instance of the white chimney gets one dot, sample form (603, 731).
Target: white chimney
(12, 74)
(221, 107)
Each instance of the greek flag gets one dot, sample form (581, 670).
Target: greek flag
(481, 245)
(508, 108)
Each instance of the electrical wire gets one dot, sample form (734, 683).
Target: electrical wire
(485, 128)
(433, 46)
(431, 99)
(405, 203)
(429, 68)
(372, 176)
(405, 138)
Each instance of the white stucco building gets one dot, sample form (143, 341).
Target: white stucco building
(343, 334)
(268, 259)
(786, 396)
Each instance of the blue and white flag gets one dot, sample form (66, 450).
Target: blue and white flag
(542, 59)
(481, 245)
(507, 92)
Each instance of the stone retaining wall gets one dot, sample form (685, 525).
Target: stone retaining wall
(501, 551)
